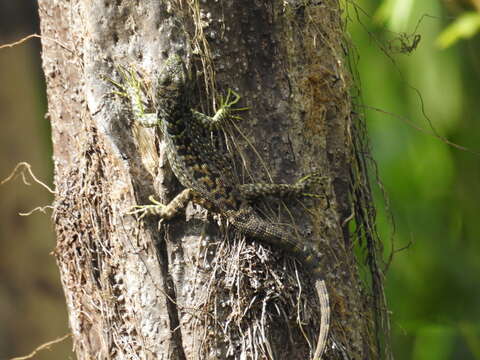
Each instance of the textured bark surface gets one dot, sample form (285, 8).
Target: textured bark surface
(185, 291)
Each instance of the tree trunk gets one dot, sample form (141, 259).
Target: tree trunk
(188, 288)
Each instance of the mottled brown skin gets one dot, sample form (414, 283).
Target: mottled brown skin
(209, 179)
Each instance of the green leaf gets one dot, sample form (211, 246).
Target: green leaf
(464, 27)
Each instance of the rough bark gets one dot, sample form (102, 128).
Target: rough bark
(190, 289)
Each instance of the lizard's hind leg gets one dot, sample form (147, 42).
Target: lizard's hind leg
(164, 211)
(300, 188)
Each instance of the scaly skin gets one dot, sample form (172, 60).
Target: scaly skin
(208, 177)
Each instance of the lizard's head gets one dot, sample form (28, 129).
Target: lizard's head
(174, 74)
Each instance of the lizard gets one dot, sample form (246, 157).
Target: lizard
(208, 177)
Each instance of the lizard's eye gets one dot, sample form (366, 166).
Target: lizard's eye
(165, 79)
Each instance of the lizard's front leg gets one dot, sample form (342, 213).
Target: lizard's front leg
(216, 121)
(137, 92)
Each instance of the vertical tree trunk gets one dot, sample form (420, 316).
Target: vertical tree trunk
(188, 288)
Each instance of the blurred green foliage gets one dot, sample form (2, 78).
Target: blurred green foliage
(425, 93)
(466, 26)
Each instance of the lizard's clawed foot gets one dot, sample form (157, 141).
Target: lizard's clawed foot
(156, 208)
(226, 104)
(309, 181)
(129, 84)
(132, 87)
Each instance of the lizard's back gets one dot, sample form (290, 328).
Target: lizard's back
(196, 161)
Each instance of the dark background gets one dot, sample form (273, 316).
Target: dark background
(433, 285)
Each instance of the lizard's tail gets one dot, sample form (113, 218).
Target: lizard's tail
(325, 322)
(250, 224)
